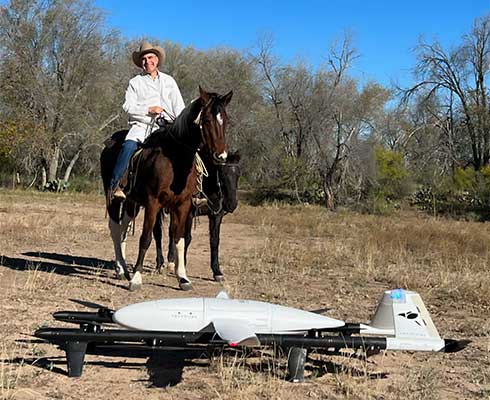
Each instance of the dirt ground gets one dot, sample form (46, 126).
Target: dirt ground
(55, 254)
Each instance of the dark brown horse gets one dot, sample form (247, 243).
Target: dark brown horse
(220, 188)
(166, 178)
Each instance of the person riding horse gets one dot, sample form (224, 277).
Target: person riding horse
(150, 95)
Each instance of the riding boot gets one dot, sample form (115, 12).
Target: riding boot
(128, 149)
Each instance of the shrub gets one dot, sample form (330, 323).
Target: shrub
(58, 185)
(392, 178)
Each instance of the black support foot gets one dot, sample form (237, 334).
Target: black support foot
(296, 364)
(75, 354)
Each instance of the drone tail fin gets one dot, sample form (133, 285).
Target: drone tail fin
(402, 316)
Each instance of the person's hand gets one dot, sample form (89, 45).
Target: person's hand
(155, 110)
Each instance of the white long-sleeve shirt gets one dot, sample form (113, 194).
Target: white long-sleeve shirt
(144, 92)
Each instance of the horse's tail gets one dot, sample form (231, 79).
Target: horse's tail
(108, 157)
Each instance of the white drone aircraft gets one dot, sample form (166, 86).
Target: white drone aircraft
(401, 322)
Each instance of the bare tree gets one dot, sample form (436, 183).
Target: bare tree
(59, 70)
(459, 77)
(335, 130)
(270, 69)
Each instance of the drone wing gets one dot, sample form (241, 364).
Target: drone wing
(236, 332)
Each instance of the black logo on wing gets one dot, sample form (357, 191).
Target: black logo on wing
(410, 315)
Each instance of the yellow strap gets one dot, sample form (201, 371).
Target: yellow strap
(201, 171)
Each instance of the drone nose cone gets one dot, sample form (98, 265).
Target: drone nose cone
(163, 315)
(136, 316)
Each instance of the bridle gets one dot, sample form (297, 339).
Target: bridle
(221, 197)
(199, 120)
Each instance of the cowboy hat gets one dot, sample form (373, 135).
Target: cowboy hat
(145, 48)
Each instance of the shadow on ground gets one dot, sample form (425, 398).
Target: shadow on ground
(165, 367)
(66, 265)
(72, 260)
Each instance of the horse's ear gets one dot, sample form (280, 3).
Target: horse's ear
(227, 98)
(203, 94)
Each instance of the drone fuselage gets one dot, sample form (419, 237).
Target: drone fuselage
(195, 314)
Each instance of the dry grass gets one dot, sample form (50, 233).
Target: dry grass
(56, 247)
(443, 259)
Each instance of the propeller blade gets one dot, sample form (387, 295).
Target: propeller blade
(321, 310)
(88, 304)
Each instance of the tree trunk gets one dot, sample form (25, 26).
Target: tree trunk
(44, 179)
(70, 166)
(329, 194)
(53, 163)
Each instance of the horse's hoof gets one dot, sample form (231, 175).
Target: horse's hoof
(133, 287)
(185, 285)
(136, 282)
(219, 278)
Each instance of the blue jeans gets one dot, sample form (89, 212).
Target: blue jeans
(128, 149)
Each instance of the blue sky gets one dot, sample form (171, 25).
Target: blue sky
(384, 32)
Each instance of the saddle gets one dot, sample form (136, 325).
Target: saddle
(128, 179)
(114, 144)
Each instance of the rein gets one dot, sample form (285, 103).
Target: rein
(221, 196)
(201, 171)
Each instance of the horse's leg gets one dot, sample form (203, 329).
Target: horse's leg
(178, 224)
(157, 234)
(171, 243)
(188, 235)
(214, 232)
(118, 235)
(171, 250)
(125, 221)
(151, 211)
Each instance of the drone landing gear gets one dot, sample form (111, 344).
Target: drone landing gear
(75, 354)
(76, 350)
(296, 364)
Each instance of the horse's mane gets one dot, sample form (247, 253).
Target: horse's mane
(183, 123)
(176, 130)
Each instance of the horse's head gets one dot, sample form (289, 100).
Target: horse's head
(213, 120)
(229, 173)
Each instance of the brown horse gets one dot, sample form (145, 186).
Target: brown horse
(166, 178)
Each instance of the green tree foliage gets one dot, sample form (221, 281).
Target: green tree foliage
(466, 193)
(392, 175)
(10, 139)
(473, 186)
